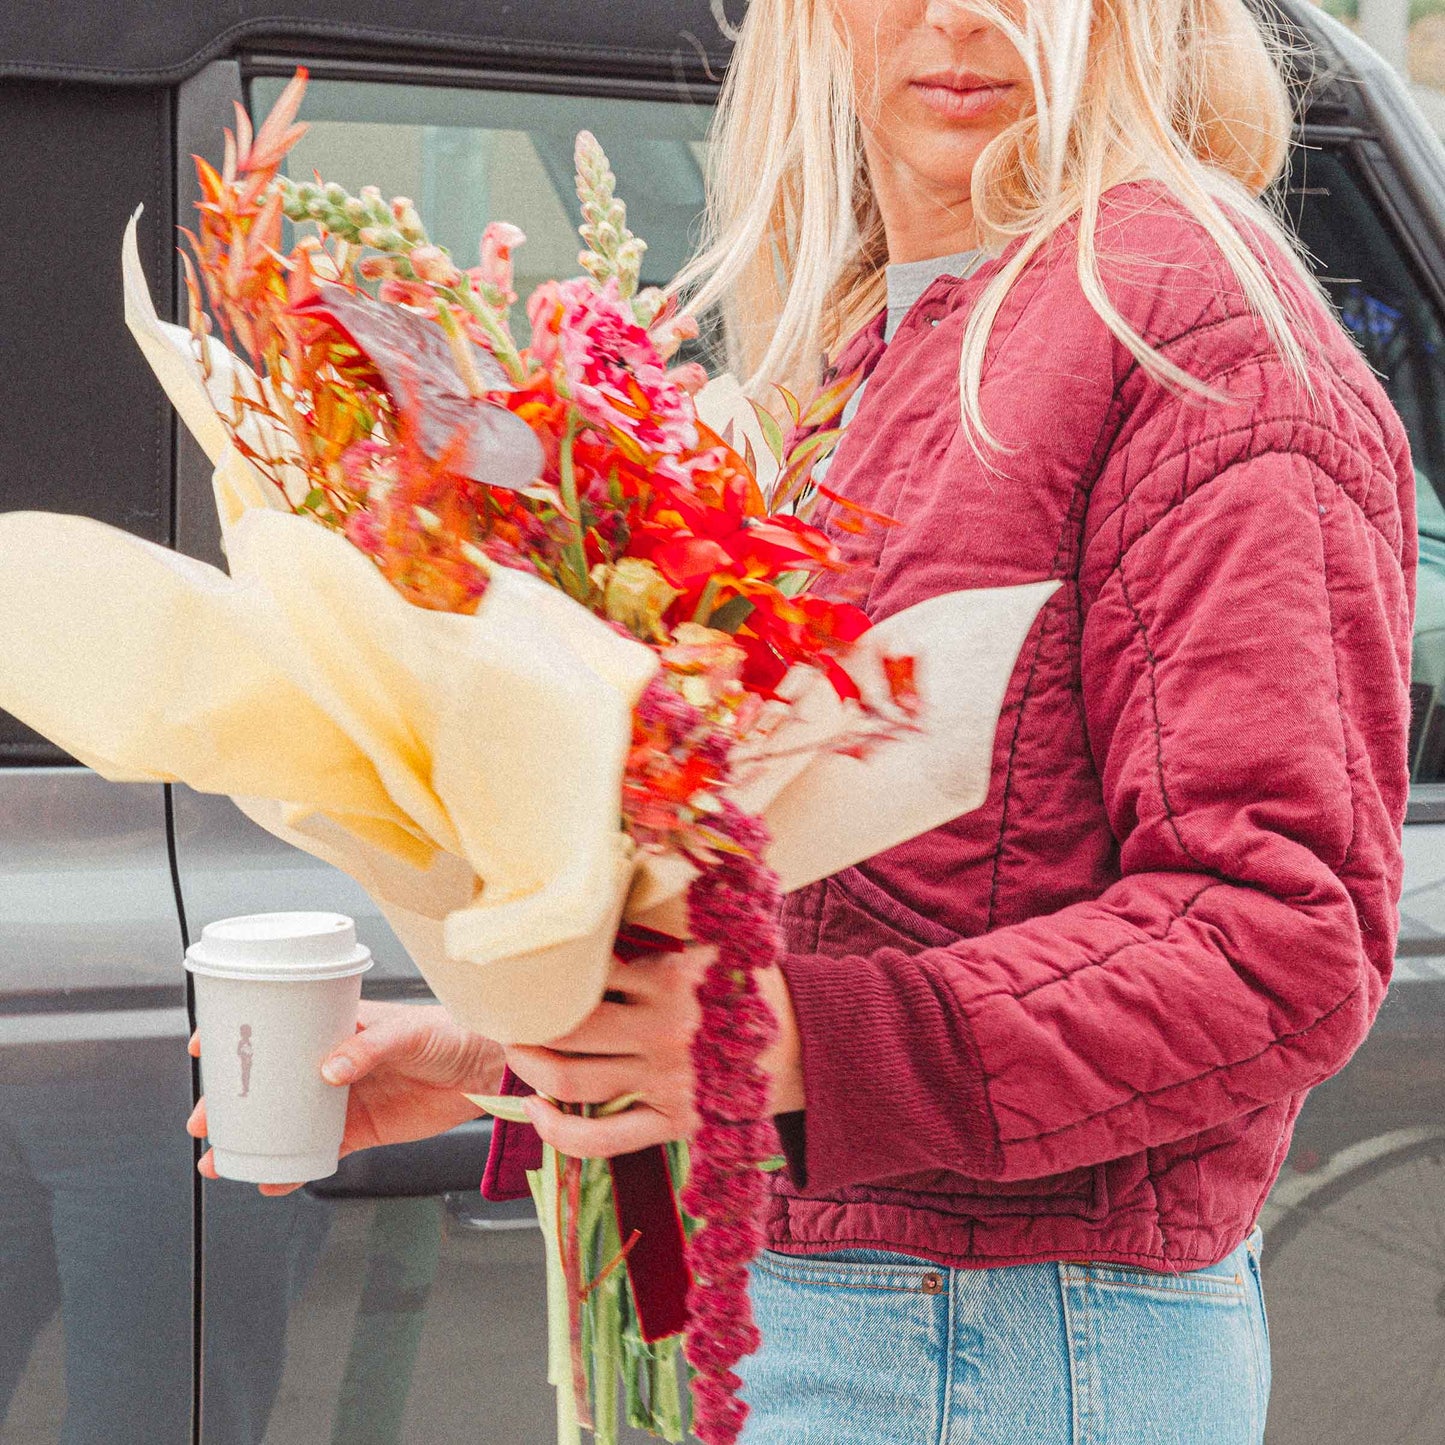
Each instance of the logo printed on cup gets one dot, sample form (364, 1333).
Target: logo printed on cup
(245, 1050)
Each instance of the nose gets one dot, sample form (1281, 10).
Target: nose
(954, 17)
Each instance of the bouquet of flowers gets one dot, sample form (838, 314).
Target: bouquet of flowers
(514, 636)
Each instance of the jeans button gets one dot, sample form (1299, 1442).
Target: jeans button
(932, 1284)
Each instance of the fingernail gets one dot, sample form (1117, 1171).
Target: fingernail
(338, 1070)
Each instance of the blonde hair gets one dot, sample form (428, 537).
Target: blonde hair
(1190, 93)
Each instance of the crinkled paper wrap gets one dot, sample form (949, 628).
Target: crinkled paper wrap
(466, 771)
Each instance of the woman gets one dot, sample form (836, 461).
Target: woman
(1037, 1070)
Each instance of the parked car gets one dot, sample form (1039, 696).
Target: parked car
(390, 1304)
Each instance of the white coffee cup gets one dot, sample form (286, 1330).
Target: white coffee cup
(275, 993)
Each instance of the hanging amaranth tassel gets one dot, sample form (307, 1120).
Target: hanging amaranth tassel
(732, 906)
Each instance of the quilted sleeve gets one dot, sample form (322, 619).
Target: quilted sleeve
(1245, 670)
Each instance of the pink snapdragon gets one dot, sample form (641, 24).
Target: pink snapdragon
(499, 240)
(612, 368)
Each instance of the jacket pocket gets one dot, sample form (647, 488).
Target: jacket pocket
(1079, 1194)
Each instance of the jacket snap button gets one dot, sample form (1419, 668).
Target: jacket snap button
(933, 1284)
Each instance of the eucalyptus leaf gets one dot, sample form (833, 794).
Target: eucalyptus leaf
(414, 360)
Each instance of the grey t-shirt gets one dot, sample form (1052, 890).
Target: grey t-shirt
(907, 281)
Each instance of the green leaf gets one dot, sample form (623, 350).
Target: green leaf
(501, 1107)
(732, 614)
(772, 432)
(703, 609)
(811, 447)
(793, 584)
(829, 403)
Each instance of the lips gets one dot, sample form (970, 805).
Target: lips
(962, 97)
(961, 81)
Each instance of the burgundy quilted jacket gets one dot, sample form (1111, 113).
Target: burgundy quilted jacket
(1079, 1022)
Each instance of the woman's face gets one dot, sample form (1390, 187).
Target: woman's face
(935, 82)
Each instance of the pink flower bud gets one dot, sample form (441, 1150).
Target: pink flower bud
(499, 240)
(691, 378)
(669, 334)
(433, 264)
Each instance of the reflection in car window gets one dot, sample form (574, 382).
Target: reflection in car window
(1398, 330)
(468, 157)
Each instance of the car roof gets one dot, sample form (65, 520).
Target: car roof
(140, 42)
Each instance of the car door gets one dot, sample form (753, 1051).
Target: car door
(408, 1309)
(96, 1240)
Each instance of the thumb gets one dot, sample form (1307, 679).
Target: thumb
(366, 1050)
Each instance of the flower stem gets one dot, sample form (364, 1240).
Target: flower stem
(569, 1183)
(503, 347)
(612, 1264)
(575, 553)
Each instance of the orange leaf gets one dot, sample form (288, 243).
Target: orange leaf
(212, 186)
(857, 508)
(829, 403)
(243, 135)
(278, 134)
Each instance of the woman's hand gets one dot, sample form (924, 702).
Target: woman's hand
(408, 1067)
(638, 1041)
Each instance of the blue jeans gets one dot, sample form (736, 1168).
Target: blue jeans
(862, 1347)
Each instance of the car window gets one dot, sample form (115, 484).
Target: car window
(1395, 325)
(468, 157)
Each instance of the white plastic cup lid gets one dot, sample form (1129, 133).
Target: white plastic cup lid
(279, 947)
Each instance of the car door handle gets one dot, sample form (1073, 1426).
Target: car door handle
(450, 1162)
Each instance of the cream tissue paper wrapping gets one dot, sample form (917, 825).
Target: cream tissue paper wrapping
(465, 770)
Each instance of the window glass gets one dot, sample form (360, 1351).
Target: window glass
(468, 157)
(1398, 330)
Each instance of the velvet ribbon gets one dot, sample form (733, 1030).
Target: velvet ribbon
(642, 1189)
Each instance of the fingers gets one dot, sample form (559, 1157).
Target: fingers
(581, 1138)
(589, 1079)
(193, 1048)
(383, 1034)
(611, 1028)
(196, 1124)
(206, 1168)
(639, 978)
